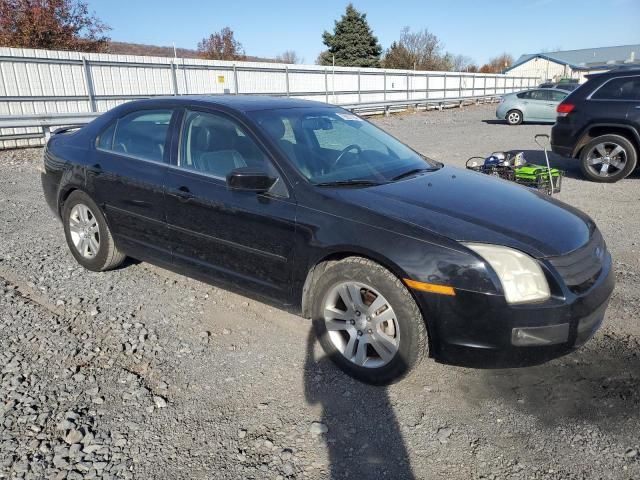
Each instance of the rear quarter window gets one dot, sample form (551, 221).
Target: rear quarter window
(622, 88)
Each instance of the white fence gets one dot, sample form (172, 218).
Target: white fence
(51, 82)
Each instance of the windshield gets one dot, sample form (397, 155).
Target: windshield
(331, 145)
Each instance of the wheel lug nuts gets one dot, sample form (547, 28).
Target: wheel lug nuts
(358, 313)
(368, 319)
(352, 321)
(370, 331)
(359, 333)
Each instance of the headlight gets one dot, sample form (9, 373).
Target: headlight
(521, 276)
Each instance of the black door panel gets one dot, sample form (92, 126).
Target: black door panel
(130, 192)
(239, 236)
(126, 176)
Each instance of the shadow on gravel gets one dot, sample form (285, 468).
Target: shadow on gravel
(496, 121)
(364, 439)
(599, 384)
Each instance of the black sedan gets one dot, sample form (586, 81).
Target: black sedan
(394, 256)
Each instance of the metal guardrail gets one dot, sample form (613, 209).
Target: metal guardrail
(439, 103)
(44, 81)
(45, 122)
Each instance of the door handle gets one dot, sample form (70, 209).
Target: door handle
(184, 194)
(96, 168)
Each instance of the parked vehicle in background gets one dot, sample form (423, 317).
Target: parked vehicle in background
(567, 86)
(538, 105)
(599, 124)
(394, 256)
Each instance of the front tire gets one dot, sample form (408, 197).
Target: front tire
(367, 321)
(514, 117)
(608, 158)
(88, 235)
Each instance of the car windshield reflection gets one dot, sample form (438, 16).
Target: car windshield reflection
(333, 147)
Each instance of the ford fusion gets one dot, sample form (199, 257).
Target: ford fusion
(392, 255)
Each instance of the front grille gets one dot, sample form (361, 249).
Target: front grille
(580, 268)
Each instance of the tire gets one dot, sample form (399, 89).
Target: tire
(622, 164)
(514, 117)
(98, 255)
(405, 329)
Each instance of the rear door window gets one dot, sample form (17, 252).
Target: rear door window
(623, 88)
(141, 134)
(544, 95)
(557, 96)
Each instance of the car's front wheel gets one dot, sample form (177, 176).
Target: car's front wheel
(367, 321)
(608, 158)
(88, 234)
(514, 117)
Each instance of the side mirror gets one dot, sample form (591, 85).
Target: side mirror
(250, 179)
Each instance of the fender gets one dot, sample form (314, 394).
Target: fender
(585, 137)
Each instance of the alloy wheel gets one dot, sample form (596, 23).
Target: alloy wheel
(361, 324)
(606, 159)
(84, 230)
(513, 118)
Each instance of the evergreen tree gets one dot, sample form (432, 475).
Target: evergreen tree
(352, 43)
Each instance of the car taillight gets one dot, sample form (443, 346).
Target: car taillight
(565, 109)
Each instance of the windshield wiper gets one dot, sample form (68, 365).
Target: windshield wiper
(413, 172)
(348, 183)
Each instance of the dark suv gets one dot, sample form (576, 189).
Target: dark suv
(599, 123)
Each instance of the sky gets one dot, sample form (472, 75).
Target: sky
(478, 29)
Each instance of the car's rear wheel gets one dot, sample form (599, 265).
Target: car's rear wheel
(367, 321)
(608, 158)
(88, 234)
(514, 117)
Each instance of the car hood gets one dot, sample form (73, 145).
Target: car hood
(471, 207)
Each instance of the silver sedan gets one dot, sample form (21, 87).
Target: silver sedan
(537, 105)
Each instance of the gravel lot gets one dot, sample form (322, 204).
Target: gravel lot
(143, 373)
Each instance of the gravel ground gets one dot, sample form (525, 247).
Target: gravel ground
(143, 373)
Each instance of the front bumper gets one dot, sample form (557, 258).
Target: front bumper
(483, 331)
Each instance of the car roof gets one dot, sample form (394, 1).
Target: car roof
(243, 103)
(621, 71)
(539, 88)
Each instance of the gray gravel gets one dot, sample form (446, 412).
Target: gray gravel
(143, 373)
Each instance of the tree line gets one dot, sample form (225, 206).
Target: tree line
(69, 25)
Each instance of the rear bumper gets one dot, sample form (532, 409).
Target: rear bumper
(501, 112)
(50, 190)
(562, 150)
(483, 331)
(563, 138)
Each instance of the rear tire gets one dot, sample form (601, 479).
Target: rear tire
(387, 325)
(608, 158)
(514, 117)
(88, 235)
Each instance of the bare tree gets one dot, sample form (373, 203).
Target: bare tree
(463, 63)
(221, 45)
(51, 24)
(416, 50)
(497, 64)
(289, 56)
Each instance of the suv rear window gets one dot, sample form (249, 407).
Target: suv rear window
(623, 88)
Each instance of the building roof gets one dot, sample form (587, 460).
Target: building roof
(588, 57)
